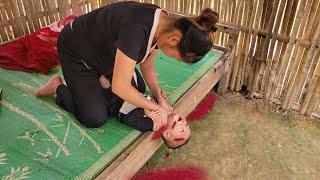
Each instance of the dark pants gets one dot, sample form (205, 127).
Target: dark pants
(84, 97)
(113, 104)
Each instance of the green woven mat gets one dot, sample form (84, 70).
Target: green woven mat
(39, 140)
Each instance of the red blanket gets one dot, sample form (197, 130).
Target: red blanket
(36, 52)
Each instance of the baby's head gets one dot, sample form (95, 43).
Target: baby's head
(178, 131)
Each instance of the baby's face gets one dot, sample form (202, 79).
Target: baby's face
(178, 130)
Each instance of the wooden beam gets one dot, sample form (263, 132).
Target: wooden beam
(135, 157)
(226, 28)
(231, 29)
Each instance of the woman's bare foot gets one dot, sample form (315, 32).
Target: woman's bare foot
(49, 89)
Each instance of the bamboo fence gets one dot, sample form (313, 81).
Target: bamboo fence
(276, 54)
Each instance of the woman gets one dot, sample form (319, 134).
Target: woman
(112, 40)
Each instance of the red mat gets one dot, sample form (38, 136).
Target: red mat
(173, 173)
(203, 109)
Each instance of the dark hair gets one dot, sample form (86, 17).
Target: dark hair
(196, 42)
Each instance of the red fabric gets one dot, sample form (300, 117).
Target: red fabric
(173, 173)
(202, 110)
(36, 52)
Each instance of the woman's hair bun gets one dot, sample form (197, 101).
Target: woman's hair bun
(208, 19)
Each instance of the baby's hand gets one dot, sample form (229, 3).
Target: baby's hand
(155, 117)
(149, 113)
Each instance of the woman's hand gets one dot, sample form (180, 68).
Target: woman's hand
(163, 102)
(159, 118)
(163, 118)
(154, 116)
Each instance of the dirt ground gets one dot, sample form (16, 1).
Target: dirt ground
(247, 139)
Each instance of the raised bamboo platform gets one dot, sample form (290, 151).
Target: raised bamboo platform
(139, 153)
(276, 53)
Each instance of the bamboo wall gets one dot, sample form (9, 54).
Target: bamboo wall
(277, 49)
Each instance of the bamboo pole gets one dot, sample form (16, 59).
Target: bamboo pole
(63, 8)
(290, 47)
(10, 15)
(313, 105)
(51, 9)
(291, 60)
(265, 46)
(256, 58)
(315, 100)
(297, 85)
(189, 7)
(217, 35)
(296, 55)
(32, 22)
(279, 37)
(267, 25)
(276, 57)
(302, 72)
(228, 19)
(289, 30)
(248, 49)
(244, 55)
(312, 85)
(244, 42)
(36, 5)
(76, 7)
(15, 19)
(7, 15)
(237, 16)
(222, 20)
(3, 33)
(255, 37)
(269, 59)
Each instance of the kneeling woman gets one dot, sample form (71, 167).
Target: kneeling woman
(112, 40)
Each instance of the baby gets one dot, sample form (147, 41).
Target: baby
(177, 132)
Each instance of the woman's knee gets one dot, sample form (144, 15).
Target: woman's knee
(93, 119)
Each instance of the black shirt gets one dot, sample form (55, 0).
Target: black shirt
(129, 26)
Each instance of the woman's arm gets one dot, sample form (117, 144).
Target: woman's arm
(150, 76)
(121, 85)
